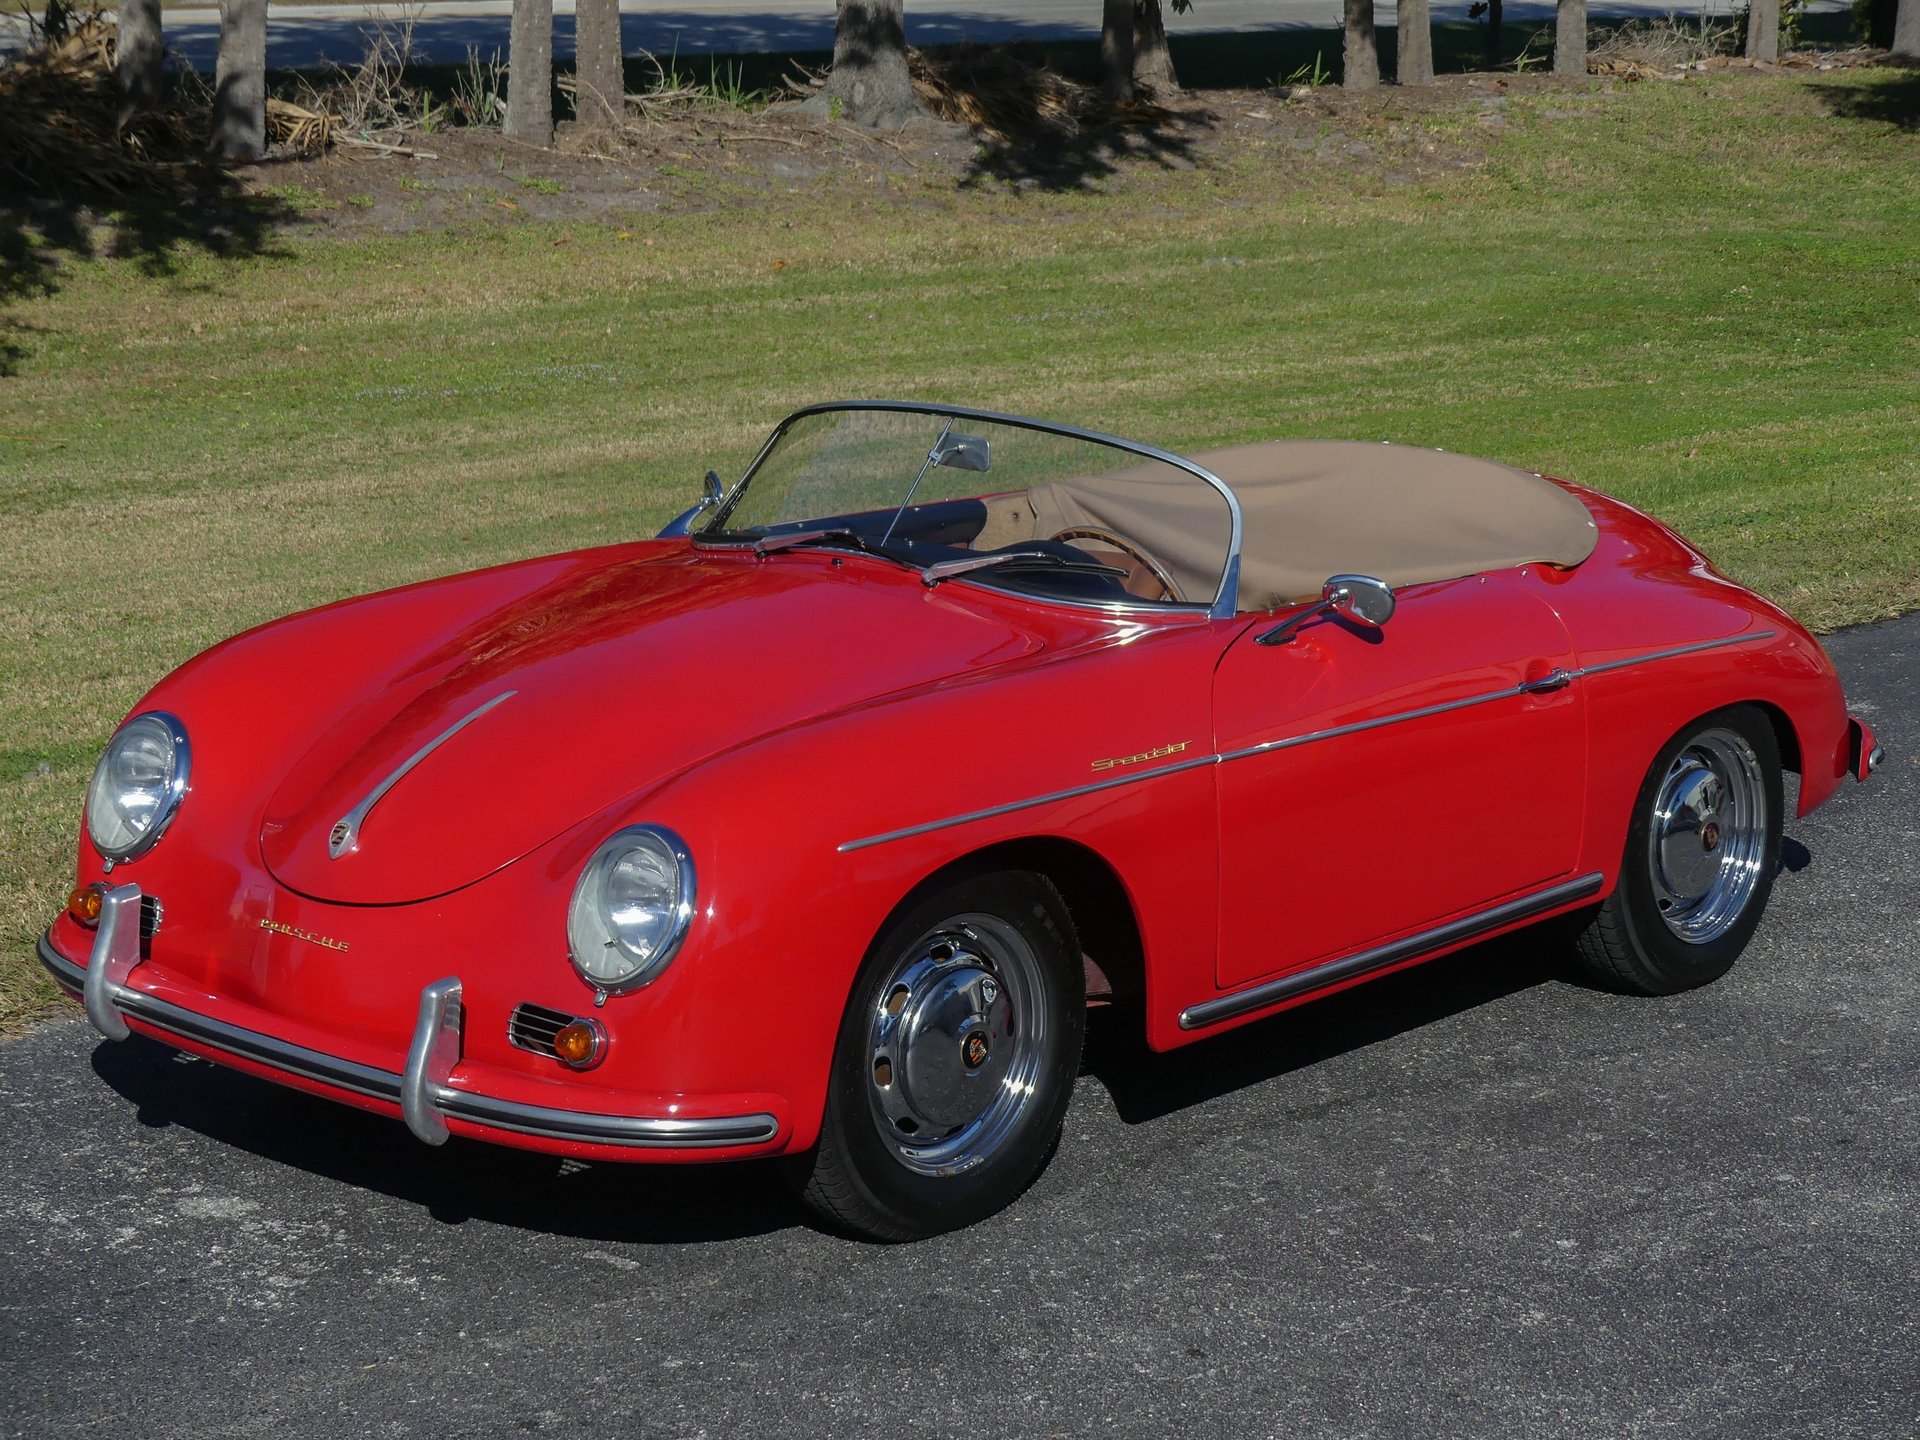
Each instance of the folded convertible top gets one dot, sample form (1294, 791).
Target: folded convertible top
(1314, 508)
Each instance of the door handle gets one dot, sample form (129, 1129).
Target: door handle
(1554, 679)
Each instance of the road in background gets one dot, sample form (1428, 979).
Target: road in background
(309, 35)
(1467, 1200)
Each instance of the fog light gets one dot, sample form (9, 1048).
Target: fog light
(579, 1044)
(83, 904)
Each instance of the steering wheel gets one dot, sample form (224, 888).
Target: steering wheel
(1147, 578)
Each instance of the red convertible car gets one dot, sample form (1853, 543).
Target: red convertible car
(808, 827)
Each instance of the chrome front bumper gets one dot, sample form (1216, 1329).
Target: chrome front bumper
(421, 1090)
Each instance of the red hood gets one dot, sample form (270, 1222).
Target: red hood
(621, 675)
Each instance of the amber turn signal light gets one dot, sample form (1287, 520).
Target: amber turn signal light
(83, 904)
(578, 1044)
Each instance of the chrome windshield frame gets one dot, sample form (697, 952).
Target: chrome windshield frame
(1226, 598)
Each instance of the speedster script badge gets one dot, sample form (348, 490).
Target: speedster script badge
(1158, 753)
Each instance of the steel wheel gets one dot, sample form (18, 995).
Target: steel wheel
(1708, 835)
(1702, 847)
(955, 1059)
(956, 1045)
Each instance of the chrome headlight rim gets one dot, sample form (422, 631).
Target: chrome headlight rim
(680, 921)
(174, 793)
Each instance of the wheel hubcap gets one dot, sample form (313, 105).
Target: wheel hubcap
(1708, 837)
(956, 1044)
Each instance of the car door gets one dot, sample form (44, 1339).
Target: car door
(1375, 782)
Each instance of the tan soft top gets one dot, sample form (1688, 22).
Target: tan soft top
(1314, 508)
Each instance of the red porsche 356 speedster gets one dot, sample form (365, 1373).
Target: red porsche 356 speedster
(807, 827)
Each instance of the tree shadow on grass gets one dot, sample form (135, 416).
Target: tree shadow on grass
(76, 186)
(1891, 101)
(1083, 158)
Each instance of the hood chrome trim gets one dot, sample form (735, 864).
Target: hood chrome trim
(345, 834)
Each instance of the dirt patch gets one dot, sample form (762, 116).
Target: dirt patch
(731, 158)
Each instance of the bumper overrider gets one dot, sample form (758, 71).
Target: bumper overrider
(421, 1091)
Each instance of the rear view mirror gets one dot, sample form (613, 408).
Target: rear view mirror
(964, 452)
(1360, 598)
(1365, 601)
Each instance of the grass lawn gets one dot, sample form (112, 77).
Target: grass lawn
(1699, 296)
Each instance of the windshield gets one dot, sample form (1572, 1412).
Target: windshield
(1002, 502)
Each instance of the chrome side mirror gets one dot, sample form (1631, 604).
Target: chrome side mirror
(713, 495)
(964, 452)
(1365, 601)
(1360, 598)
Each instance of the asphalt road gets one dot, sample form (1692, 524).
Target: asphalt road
(1472, 1200)
(309, 35)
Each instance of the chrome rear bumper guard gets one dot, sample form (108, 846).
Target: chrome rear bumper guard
(421, 1091)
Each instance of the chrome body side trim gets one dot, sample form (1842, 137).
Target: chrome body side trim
(1547, 684)
(635, 1131)
(990, 811)
(1673, 651)
(430, 1060)
(346, 830)
(1351, 967)
(1225, 602)
(116, 951)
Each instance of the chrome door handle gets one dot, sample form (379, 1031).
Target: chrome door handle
(1555, 679)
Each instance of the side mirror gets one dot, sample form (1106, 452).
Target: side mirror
(964, 452)
(1360, 598)
(712, 495)
(1365, 601)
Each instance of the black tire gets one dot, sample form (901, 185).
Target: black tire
(873, 1178)
(1631, 945)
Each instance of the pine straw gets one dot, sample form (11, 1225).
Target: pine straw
(60, 114)
(1658, 47)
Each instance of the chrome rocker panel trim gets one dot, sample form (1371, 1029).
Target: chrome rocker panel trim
(638, 1131)
(1352, 967)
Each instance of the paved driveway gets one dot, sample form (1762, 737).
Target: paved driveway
(1473, 1200)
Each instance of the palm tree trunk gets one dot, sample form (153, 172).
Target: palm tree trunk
(869, 76)
(530, 73)
(1414, 30)
(240, 82)
(1116, 50)
(1763, 30)
(1570, 37)
(139, 60)
(1152, 60)
(599, 69)
(1496, 36)
(1906, 30)
(1361, 54)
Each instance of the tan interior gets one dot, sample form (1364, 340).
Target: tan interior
(1311, 508)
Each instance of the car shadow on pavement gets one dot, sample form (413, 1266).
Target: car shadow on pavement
(460, 1181)
(1146, 1086)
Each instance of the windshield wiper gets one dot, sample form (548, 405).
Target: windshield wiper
(1023, 559)
(788, 540)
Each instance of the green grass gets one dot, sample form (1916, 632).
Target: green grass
(1697, 296)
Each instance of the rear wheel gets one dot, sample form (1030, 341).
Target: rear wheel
(955, 1061)
(1700, 860)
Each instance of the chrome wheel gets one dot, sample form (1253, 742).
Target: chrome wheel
(956, 1045)
(1708, 838)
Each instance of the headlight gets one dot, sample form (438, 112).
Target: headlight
(137, 785)
(631, 908)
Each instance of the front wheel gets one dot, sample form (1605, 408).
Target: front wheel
(955, 1061)
(1702, 851)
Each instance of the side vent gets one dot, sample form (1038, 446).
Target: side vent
(532, 1027)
